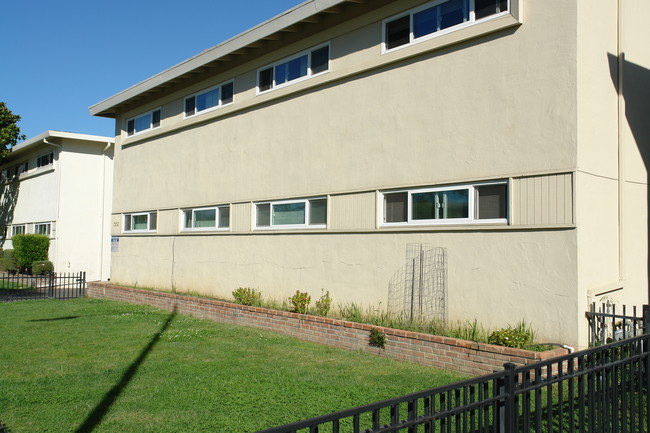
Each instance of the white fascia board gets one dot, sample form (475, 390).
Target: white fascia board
(273, 25)
(38, 140)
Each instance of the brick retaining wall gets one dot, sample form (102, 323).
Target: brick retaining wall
(443, 352)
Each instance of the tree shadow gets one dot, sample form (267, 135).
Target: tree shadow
(7, 206)
(633, 83)
(97, 415)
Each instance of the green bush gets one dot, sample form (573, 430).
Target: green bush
(511, 337)
(8, 262)
(323, 304)
(42, 267)
(29, 249)
(300, 302)
(377, 338)
(247, 296)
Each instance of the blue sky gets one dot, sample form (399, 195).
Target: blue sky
(60, 57)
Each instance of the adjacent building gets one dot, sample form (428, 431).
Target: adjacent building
(59, 184)
(322, 147)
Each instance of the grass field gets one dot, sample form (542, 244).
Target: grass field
(89, 365)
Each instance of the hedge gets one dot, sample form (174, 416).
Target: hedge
(29, 249)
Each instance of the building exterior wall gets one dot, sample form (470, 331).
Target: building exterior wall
(72, 195)
(85, 184)
(529, 98)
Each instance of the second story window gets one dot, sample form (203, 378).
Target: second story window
(209, 99)
(206, 218)
(43, 228)
(18, 230)
(21, 168)
(300, 66)
(306, 213)
(437, 16)
(45, 160)
(144, 122)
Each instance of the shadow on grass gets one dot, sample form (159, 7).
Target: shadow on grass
(54, 319)
(96, 416)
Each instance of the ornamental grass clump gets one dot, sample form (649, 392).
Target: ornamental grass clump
(518, 337)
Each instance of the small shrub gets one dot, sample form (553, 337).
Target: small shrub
(323, 304)
(29, 249)
(247, 296)
(377, 338)
(517, 337)
(42, 267)
(8, 262)
(300, 302)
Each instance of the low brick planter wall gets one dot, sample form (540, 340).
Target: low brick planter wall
(435, 351)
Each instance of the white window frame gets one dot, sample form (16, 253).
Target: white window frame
(412, 40)
(136, 214)
(472, 217)
(49, 156)
(209, 89)
(22, 232)
(293, 57)
(135, 118)
(306, 225)
(47, 224)
(216, 227)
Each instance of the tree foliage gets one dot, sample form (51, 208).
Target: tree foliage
(9, 130)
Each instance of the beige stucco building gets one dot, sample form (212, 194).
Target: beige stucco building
(60, 184)
(308, 152)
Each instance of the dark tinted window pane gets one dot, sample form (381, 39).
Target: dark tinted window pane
(395, 207)
(398, 32)
(263, 215)
(485, 8)
(289, 213)
(297, 68)
(266, 79)
(491, 202)
(156, 119)
(320, 60)
(318, 211)
(153, 220)
(130, 127)
(143, 123)
(453, 12)
(207, 100)
(127, 223)
(139, 222)
(188, 219)
(190, 106)
(425, 206)
(425, 22)
(224, 217)
(227, 92)
(280, 73)
(455, 204)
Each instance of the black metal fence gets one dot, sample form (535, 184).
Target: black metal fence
(50, 286)
(604, 389)
(606, 324)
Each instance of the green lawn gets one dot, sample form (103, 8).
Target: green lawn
(90, 365)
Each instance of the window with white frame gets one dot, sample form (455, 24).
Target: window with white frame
(210, 99)
(18, 230)
(143, 122)
(306, 213)
(458, 204)
(437, 17)
(140, 222)
(301, 66)
(43, 229)
(206, 218)
(45, 160)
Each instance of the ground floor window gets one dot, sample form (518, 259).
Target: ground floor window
(310, 213)
(43, 228)
(140, 222)
(471, 203)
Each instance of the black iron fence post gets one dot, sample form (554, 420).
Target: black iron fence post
(50, 286)
(646, 319)
(506, 408)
